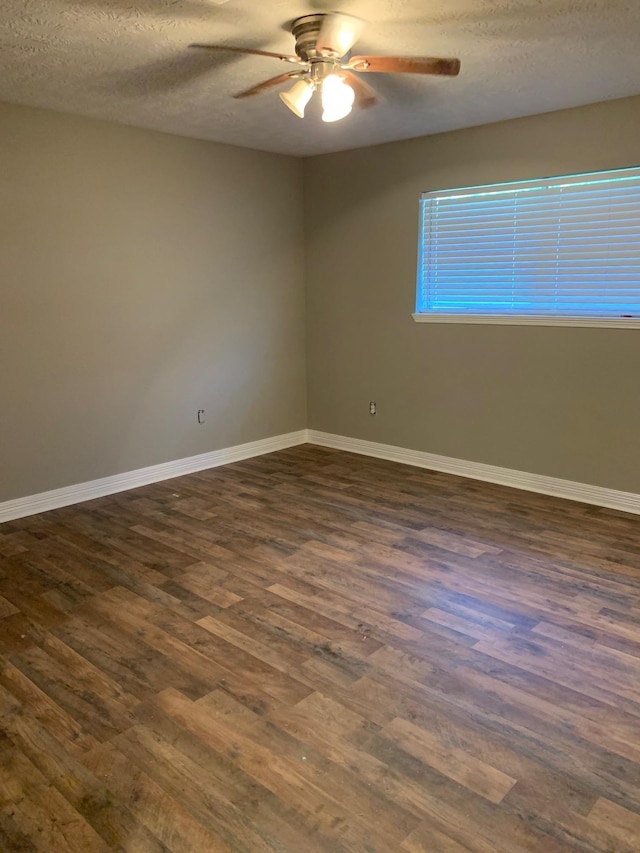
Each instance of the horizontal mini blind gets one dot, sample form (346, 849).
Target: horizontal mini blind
(566, 246)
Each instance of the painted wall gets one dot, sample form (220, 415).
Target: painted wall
(557, 401)
(142, 277)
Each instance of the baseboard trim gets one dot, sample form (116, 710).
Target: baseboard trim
(582, 492)
(596, 495)
(56, 498)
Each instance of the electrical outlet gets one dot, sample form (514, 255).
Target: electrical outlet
(372, 408)
(201, 417)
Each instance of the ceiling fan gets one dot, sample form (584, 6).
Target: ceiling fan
(325, 65)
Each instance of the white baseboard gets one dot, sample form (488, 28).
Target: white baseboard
(597, 495)
(32, 504)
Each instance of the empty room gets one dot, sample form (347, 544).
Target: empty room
(320, 426)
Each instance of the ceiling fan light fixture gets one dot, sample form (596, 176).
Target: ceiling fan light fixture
(297, 97)
(337, 98)
(338, 33)
(323, 43)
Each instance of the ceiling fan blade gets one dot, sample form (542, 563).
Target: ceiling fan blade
(269, 84)
(405, 65)
(365, 96)
(250, 51)
(338, 34)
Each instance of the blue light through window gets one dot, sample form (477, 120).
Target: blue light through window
(559, 247)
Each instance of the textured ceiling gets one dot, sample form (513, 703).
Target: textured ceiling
(128, 61)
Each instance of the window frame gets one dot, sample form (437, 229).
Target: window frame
(525, 319)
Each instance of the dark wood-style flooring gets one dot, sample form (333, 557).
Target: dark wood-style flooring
(315, 651)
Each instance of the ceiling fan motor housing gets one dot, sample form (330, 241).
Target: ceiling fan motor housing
(305, 31)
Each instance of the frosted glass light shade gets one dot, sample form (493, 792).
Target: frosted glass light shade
(337, 98)
(339, 33)
(297, 97)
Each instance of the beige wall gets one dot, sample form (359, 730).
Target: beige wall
(557, 401)
(142, 277)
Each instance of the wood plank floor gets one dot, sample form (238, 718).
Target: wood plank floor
(315, 651)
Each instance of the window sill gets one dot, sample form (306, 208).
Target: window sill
(500, 320)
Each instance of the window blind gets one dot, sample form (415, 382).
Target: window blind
(567, 246)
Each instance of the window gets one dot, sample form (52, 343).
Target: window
(558, 251)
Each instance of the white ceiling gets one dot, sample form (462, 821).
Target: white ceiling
(128, 61)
